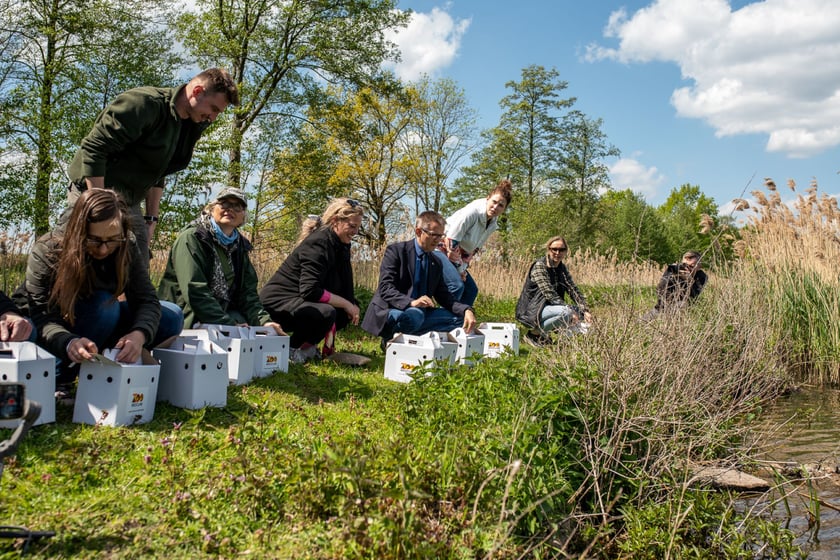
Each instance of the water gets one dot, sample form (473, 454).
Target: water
(804, 429)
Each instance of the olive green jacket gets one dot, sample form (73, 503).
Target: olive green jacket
(189, 270)
(134, 143)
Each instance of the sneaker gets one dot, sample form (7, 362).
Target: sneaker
(303, 355)
(537, 339)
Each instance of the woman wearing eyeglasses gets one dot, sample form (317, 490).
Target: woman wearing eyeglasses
(209, 272)
(311, 294)
(74, 277)
(542, 304)
(466, 232)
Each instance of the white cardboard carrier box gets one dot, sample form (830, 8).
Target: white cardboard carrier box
(271, 351)
(28, 363)
(111, 393)
(498, 337)
(239, 346)
(405, 353)
(193, 373)
(468, 345)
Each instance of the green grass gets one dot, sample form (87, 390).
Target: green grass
(329, 461)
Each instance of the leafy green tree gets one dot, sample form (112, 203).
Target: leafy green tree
(61, 60)
(354, 144)
(532, 119)
(280, 52)
(526, 146)
(584, 175)
(683, 214)
(631, 227)
(444, 133)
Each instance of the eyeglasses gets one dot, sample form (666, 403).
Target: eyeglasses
(558, 249)
(353, 203)
(230, 205)
(432, 234)
(95, 243)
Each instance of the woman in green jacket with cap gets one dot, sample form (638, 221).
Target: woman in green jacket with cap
(209, 272)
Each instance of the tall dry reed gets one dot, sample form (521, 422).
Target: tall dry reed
(795, 248)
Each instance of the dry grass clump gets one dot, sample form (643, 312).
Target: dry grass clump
(669, 393)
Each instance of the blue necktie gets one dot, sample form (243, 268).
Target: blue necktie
(420, 275)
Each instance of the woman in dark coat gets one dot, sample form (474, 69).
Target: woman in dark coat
(311, 294)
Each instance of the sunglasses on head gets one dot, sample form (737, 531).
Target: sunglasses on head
(353, 203)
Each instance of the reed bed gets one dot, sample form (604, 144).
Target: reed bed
(502, 278)
(796, 247)
(665, 396)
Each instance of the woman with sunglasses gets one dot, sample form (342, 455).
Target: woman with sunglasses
(466, 232)
(542, 304)
(75, 277)
(311, 294)
(209, 272)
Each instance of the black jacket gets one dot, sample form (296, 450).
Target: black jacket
(321, 262)
(532, 299)
(676, 291)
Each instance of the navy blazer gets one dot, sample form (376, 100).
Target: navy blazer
(396, 282)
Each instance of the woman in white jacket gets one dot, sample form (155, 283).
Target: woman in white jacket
(466, 232)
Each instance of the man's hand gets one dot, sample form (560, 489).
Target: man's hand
(14, 328)
(469, 321)
(423, 301)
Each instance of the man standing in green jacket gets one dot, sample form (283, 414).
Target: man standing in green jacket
(145, 134)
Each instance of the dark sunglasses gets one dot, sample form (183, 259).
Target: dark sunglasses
(353, 203)
(558, 249)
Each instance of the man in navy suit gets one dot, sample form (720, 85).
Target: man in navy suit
(409, 277)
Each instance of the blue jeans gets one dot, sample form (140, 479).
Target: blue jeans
(464, 291)
(103, 320)
(557, 317)
(416, 320)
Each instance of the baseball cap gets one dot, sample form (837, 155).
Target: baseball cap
(233, 192)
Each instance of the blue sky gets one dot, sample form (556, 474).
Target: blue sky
(715, 93)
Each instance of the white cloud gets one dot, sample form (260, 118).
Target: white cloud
(629, 173)
(770, 67)
(429, 43)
